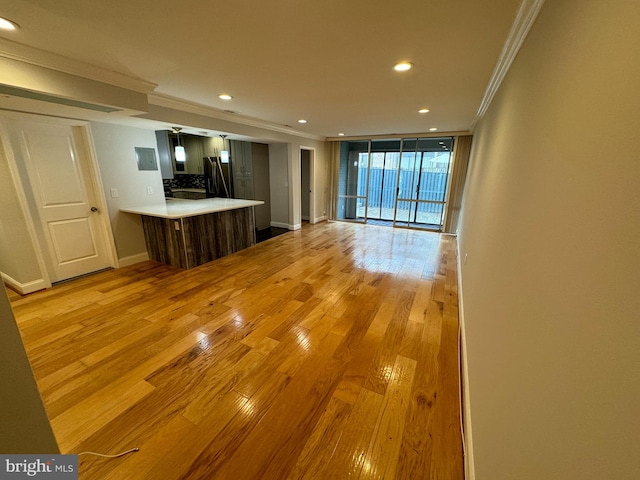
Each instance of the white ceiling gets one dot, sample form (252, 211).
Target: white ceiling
(329, 62)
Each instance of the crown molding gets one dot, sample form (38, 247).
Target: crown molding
(174, 103)
(52, 61)
(527, 14)
(390, 136)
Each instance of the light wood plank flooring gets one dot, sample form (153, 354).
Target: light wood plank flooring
(325, 353)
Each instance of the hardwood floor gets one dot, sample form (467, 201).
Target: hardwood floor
(325, 353)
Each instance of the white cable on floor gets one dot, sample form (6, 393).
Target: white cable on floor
(110, 456)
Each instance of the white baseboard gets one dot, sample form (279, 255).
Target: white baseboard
(286, 225)
(469, 465)
(323, 218)
(280, 225)
(130, 260)
(24, 288)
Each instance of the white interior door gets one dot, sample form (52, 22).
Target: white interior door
(55, 157)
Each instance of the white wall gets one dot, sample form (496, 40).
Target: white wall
(28, 75)
(18, 260)
(261, 187)
(115, 150)
(551, 227)
(286, 185)
(23, 421)
(279, 184)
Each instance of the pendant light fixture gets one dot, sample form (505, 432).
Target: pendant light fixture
(181, 155)
(224, 153)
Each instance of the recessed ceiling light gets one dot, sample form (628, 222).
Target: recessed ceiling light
(341, 134)
(402, 66)
(433, 129)
(302, 120)
(6, 24)
(224, 96)
(423, 110)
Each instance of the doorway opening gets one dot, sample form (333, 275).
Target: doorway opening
(59, 194)
(307, 203)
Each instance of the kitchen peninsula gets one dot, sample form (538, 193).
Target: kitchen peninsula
(188, 233)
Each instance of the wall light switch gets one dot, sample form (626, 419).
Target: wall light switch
(114, 193)
(149, 191)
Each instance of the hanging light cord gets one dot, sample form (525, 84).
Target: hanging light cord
(177, 132)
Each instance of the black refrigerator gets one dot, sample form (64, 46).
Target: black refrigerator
(217, 178)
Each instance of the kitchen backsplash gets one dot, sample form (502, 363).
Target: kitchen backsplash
(185, 181)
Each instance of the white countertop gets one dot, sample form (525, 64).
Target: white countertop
(180, 208)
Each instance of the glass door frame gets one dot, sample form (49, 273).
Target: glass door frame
(386, 156)
(414, 224)
(358, 197)
(396, 222)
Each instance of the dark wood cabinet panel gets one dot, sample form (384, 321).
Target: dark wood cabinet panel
(165, 243)
(191, 241)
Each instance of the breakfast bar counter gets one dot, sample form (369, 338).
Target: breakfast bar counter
(188, 233)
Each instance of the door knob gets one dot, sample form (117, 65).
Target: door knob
(94, 209)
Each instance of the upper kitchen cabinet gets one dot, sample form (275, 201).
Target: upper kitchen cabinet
(241, 158)
(194, 149)
(195, 152)
(164, 154)
(242, 168)
(212, 146)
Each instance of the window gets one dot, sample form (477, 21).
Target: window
(396, 182)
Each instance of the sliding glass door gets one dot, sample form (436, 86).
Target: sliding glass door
(383, 179)
(423, 180)
(352, 181)
(395, 182)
